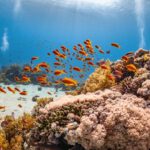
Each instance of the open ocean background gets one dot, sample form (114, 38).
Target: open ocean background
(34, 27)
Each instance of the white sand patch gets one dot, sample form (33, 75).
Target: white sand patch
(11, 100)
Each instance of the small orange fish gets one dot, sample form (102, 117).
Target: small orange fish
(56, 52)
(88, 59)
(83, 53)
(27, 69)
(59, 72)
(11, 90)
(43, 65)
(77, 69)
(49, 93)
(90, 63)
(69, 81)
(75, 48)
(2, 107)
(110, 77)
(62, 56)
(57, 64)
(23, 93)
(103, 66)
(36, 69)
(25, 79)
(2, 90)
(125, 58)
(35, 58)
(17, 89)
(17, 79)
(19, 105)
(115, 45)
(101, 51)
(131, 67)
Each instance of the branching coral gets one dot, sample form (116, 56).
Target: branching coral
(15, 131)
(3, 142)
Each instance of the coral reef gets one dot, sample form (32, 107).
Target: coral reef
(100, 120)
(14, 132)
(116, 116)
(101, 115)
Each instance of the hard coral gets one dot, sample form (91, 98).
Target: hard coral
(100, 121)
(98, 80)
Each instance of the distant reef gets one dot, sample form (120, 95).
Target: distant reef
(102, 115)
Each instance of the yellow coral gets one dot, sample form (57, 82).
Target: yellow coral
(98, 80)
(3, 141)
(16, 143)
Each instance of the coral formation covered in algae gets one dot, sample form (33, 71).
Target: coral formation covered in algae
(104, 116)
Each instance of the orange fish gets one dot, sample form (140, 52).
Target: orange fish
(63, 48)
(17, 79)
(103, 66)
(76, 69)
(43, 65)
(115, 45)
(23, 93)
(131, 67)
(101, 51)
(35, 58)
(57, 63)
(11, 90)
(57, 59)
(36, 69)
(56, 52)
(41, 79)
(75, 48)
(83, 53)
(19, 105)
(2, 107)
(62, 56)
(88, 59)
(27, 69)
(17, 89)
(110, 77)
(49, 93)
(69, 81)
(2, 90)
(125, 58)
(59, 72)
(90, 63)
(25, 79)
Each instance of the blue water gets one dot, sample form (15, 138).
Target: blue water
(35, 27)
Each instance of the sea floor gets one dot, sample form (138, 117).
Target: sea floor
(11, 101)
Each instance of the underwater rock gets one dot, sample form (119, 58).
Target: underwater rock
(39, 88)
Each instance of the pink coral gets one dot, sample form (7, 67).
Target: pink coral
(108, 119)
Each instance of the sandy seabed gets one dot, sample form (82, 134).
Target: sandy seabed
(11, 101)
